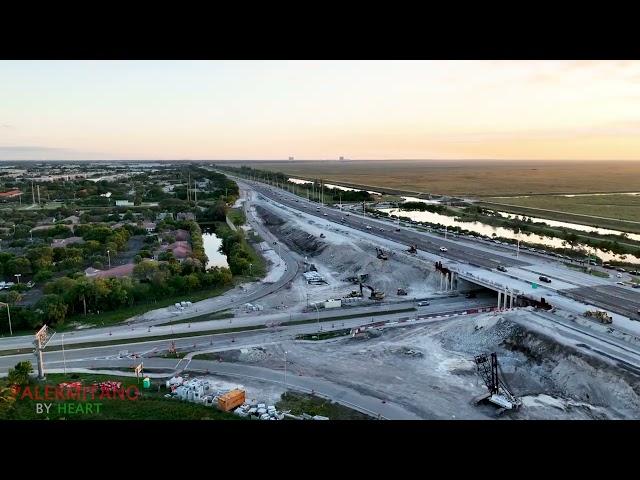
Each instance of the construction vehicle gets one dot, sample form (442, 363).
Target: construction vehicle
(402, 291)
(413, 249)
(601, 316)
(375, 294)
(499, 393)
(381, 255)
(354, 294)
(358, 278)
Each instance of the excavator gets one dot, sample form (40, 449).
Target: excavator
(381, 255)
(375, 294)
(413, 249)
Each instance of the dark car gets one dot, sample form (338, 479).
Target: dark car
(470, 295)
(544, 279)
(500, 268)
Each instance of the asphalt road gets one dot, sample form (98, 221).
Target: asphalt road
(611, 298)
(443, 304)
(432, 244)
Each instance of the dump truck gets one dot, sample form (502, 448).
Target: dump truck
(602, 317)
(231, 400)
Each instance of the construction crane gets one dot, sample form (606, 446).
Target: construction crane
(499, 393)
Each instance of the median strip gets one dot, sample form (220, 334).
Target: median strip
(202, 333)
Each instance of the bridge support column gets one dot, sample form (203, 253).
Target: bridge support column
(441, 280)
(499, 298)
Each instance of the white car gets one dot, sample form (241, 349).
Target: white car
(368, 227)
(443, 249)
(619, 275)
(423, 304)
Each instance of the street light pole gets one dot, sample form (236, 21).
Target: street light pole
(8, 316)
(64, 359)
(109, 257)
(318, 314)
(285, 371)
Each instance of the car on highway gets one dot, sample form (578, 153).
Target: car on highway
(348, 214)
(635, 285)
(443, 249)
(397, 229)
(619, 275)
(325, 214)
(368, 227)
(544, 279)
(424, 303)
(621, 283)
(500, 268)
(382, 229)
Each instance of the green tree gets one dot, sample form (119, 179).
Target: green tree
(145, 270)
(53, 308)
(19, 375)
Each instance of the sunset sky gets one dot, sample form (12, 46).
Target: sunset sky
(320, 109)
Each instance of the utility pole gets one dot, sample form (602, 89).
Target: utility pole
(33, 193)
(38, 194)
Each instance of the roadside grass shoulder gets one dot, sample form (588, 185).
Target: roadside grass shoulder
(150, 405)
(299, 403)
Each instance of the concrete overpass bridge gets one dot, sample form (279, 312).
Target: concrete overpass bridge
(458, 278)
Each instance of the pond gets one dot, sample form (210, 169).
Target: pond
(490, 230)
(212, 246)
(574, 226)
(299, 181)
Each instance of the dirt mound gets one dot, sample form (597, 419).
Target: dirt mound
(296, 239)
(546, 372)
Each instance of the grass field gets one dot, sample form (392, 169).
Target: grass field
(299, 403)
(616, 207)
(150, 406)
(487, 178)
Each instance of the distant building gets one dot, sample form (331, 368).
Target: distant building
(150, 227)
(63, 242)
(163, 215)
(290, 159)
(119, 271)
(10, 194)
(124, 203)
(341, 159)
(185, 216)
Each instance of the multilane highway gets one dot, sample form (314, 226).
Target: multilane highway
(617, 299)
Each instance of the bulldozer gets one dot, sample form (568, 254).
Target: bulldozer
(413, 249)
(602, 317)
(402, 291)
(381, 255)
